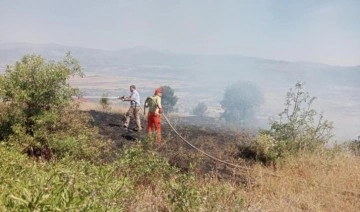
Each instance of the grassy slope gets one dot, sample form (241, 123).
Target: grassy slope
(145, 178)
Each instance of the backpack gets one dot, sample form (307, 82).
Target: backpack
(149, 103)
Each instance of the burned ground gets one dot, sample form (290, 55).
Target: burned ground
(206, 134)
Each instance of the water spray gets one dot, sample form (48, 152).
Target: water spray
(97, 97)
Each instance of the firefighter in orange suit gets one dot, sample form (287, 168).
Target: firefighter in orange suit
(154, 114)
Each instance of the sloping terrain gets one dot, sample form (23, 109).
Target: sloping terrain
(214, 139)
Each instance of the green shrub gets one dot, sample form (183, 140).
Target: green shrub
(67, 185)
(300, 126)
(264, 148)
(184, 194)
(35, 92)
(38, 112)
(267, 149)
(145, 165)
(200, 109)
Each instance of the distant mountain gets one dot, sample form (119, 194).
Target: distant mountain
(213, 68)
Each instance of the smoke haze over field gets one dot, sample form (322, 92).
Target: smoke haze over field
(200, 47)
(292, 30)
(204, 78)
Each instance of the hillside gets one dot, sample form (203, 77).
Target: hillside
(58, 153)
(210, 138)
(144, 62)
(174, 176)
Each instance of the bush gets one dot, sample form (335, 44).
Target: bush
(38, 114)
(300, 126)
(265, 149)
(200, 109)
(35, 92)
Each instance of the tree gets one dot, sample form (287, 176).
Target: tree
(168, 100)
(200, 109)
(104, 102)
(35, 92)
(300, 126)
(240, 101)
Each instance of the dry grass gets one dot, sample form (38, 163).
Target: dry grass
(308, 183)
(113, 108)
(149, 199)
(305, 183)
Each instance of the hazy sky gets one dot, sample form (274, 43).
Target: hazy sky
(326, 31)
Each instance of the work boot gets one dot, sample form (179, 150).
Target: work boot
(138, 125)
(136, 129)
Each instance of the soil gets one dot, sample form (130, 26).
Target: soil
(206, 134)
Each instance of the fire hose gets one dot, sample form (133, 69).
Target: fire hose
(217, 159)
(180, 136)
(208, 155)
(96, 97)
